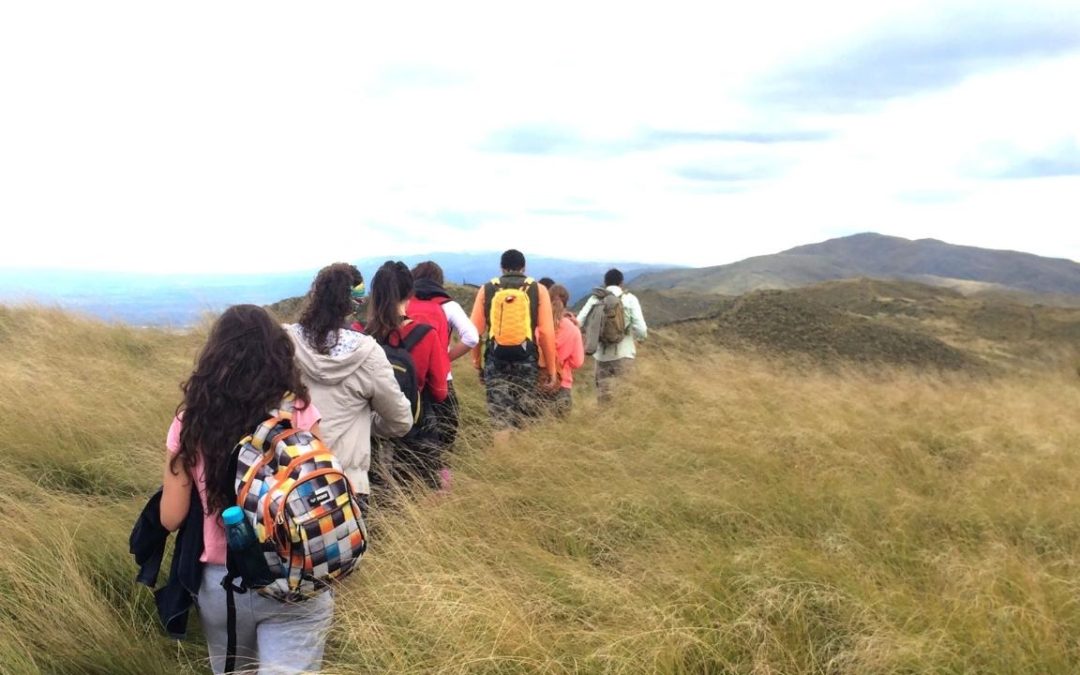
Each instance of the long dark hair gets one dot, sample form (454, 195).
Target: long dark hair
(392, 284)
(328, 303)
(242, 372)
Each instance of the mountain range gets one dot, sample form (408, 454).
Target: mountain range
(180, 300)
(965, 268)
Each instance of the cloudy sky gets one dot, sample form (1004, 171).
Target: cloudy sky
(241, 136)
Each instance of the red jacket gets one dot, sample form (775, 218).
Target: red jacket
(430, 359)
(431, 312)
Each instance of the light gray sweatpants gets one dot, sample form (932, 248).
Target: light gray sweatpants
(271, 636)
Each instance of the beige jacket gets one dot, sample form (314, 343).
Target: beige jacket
(355, 390)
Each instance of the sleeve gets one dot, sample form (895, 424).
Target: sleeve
(461, 323)
(438, 367)
(172, 439)
(545, 332)
(306, 417)
(479, 322)
(584, 313)
(637, 320)
(576, 353)
(392, 416)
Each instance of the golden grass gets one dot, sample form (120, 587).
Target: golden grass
(728, 515)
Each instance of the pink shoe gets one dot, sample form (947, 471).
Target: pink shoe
(446, 478)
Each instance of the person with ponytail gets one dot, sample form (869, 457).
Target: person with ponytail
(419, 455)
(348, 374)
(569, 349)
(243, 372)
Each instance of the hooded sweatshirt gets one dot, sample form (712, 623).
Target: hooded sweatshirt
(426, 306)
(355, 390)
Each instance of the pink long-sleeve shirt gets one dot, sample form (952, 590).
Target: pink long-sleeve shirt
(569, 348)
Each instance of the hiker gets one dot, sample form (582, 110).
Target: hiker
(512, 313)
(569, 348)
(546, 282)
(432, 304)
(244, 370)
(350, 379)
(611, 331)
(417, 455)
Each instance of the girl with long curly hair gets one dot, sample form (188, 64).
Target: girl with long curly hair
(244, 370)
(347, 373)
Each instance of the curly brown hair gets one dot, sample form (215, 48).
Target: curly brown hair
(329, 302)
(243, 371)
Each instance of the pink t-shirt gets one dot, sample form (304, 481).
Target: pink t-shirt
(213, 531)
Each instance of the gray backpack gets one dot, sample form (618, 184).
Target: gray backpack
(606, 323)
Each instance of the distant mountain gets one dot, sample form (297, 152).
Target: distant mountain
(180, 300)
(476, 268)
(964, 268)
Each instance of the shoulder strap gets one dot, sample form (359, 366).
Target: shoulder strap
(532, 289)
(416, 335)
(489, 294)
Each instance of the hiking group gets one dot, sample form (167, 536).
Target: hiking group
(288, 435)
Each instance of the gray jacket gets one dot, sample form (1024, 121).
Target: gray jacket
(355, 391)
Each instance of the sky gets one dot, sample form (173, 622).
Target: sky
(246, 136)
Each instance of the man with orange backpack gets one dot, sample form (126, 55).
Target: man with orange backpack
(512, 314)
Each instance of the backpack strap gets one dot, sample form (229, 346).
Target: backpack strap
(531, 289)
(489, 294)
(416, 335)
(230, 625)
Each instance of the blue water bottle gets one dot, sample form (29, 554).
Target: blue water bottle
(244, 549)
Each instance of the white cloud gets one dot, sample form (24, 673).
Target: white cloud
(203, 137)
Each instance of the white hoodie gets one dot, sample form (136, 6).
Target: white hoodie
(353, 387)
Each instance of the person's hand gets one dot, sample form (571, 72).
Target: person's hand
(549, 381)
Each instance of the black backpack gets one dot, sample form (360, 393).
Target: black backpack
(400, 357)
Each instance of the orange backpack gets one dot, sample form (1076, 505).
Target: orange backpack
(512, 305)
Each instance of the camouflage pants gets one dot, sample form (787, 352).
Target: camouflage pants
(511, 392)
(607, 376)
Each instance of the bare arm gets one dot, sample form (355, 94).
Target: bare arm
(175, 495)
(458, 350)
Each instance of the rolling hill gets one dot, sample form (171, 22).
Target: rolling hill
(873, 321)
(968, 269)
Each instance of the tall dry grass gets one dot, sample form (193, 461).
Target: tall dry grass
(728, 514)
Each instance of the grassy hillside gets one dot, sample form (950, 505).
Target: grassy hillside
(899, 322)
(730, 514)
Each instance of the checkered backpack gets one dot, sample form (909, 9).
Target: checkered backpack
(300, 505)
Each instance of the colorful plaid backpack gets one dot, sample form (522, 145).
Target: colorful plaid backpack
(301, 506)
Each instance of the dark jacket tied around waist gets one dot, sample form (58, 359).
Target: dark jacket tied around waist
(147, 544)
